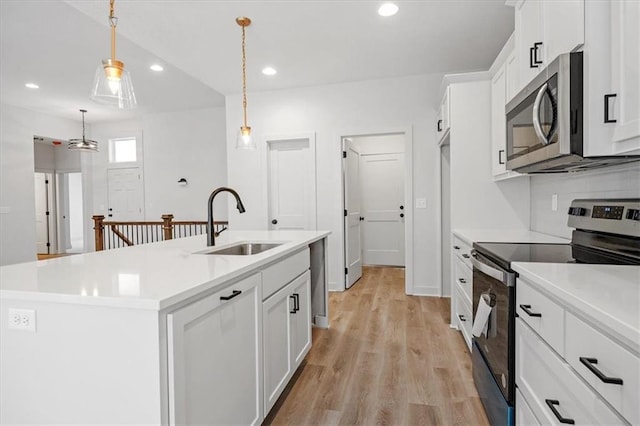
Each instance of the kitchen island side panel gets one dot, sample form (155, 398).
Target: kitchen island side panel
(83, 365)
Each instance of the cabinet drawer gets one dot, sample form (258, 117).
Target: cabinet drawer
(462, 250)
(541, 314)
(524, 415)
(548, 384)
(464, 279)
(464, 318)
(611, 361)
(280, 274)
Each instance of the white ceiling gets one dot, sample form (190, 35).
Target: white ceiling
(310, 42)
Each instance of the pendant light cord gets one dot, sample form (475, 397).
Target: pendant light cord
(83, 111)
(244, 79)
(113, 22)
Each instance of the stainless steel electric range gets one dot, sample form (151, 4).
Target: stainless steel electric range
(606, 231)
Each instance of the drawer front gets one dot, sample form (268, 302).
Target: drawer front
(464, 279)
(541, 314)
(551, 388)
(464, 319)
(278, 275)
(608, 359)
(524, 415)
(462, 250)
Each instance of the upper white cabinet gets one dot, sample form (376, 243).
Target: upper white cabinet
(498, 121)
(444, 124)
(624, 105)
(545, 29)
(214, 352)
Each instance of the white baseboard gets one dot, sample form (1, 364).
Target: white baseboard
(424, 290)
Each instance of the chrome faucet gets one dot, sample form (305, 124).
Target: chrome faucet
(211, 235)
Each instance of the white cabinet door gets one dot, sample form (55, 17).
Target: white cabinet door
(563, 27)
(444, 116)
(512, 75)
(498, 121)
(301, 319)
(286, 321)
(276, 325)
(529, 39)
(213, 356)
(625, 48)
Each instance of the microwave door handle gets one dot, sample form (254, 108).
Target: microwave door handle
(536, 115)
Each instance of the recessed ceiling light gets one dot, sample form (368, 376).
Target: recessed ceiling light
(32, 86)
(269, 71)
(156, 67)
(388, 9)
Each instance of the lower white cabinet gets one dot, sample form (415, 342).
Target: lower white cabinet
(214, 357)
(286, 319)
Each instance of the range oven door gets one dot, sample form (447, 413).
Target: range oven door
(497, 344)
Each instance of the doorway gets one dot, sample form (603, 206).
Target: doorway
(291, 182)
(374, 193)
(125, 194)
(71, 215)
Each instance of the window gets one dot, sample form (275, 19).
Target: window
(122, 150)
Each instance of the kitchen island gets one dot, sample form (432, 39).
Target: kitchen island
(159, 333)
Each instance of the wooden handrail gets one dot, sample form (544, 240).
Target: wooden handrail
(141, 232)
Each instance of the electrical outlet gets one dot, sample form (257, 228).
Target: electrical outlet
(22, 319)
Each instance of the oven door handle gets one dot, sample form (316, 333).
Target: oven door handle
(537, 127)
(504, 277)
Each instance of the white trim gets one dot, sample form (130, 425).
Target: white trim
(408, 195)
(425, 290)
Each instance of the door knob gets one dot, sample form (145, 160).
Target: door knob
(274, 221)
(401, 214)
(401, 207)
(361, 218)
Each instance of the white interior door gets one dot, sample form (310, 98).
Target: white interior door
(43, 195)
(383, 205)
(292, 184)
(353, 213)
(126, 196)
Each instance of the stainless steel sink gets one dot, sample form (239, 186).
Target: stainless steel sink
(242, 249)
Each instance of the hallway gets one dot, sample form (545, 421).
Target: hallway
(388, 359)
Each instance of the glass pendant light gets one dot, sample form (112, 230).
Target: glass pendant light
(112, 83)
(244, 141)
(83, 144)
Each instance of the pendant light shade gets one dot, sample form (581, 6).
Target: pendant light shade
(112, 83)
(83, 144)
(244, 140)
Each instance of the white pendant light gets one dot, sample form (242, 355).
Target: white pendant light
(83, 144)
(112, 83)
(244, 141)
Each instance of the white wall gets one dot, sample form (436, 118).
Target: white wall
(75, 206)
(379, 144)
(332, 111)
(612, 182)
(189, 144)
(17, 197)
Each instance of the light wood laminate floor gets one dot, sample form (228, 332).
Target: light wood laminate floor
(387, 359)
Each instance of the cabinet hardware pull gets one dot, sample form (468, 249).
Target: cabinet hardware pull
(552, 403)
(527, 309)
(607, 119)
(531, 64)
(401, 207)
(456, 247)
(462, 318)
(500, 160)
(535, 53)
(401, 214)
(233, 294)
(274, 221)
(296, 303)
(588, 362)
(439, 125)
(462, 280)
(466, 256)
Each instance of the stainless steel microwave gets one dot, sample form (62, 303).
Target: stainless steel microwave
(545, 122)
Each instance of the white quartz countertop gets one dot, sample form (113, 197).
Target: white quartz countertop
(148, 276)
(608, 295)
(471, 236)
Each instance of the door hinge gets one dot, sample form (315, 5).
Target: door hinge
(46, 213)
(346, 271)
(345, 212)
(48, 244)
(46, 181)
(344, 154)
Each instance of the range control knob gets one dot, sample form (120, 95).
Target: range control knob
(633, 214)
(577, 211)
